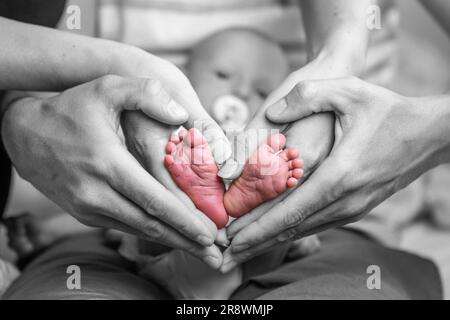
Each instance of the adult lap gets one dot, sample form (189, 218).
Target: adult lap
(104, 273)
(337, 271)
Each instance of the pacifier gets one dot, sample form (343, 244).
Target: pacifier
(231, 113)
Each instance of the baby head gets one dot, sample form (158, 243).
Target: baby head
(233, 71)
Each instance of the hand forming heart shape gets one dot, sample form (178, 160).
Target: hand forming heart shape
(269, 172)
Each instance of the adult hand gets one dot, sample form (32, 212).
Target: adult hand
(384, 141)
(178, 86)
(70, 147)
(312, 136)
(147, 139)
(318, 129)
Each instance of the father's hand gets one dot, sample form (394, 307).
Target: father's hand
(383, 142)
(71, 148)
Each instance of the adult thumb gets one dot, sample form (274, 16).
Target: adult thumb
(146, 95)
(306, 98)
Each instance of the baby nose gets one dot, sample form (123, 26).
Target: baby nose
(242, 90)
(230, 112)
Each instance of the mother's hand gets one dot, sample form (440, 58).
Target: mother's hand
(384, 141)
(70, 146)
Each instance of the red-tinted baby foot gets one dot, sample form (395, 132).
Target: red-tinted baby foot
(268, 173)
(192, 167)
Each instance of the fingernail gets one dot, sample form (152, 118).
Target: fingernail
(284, 236)
(221, 150)
(222, 239)
(212, 261)
(230, 235)
(228, 266)
(277, 109)
(239, 247)
(176, 110)
(205, 240)
(228, 169)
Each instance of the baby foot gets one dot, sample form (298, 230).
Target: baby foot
(192, 167)
(268, 173)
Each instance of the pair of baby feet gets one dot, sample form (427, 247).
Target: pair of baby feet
(270, 171)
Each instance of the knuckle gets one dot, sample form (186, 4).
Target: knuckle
(152, 86)
(288, 235)
(206, 125)
(154, 229)
(356, 84)
(86, 202)
(296, 236)
(306, 90)
(293, 217)
(355, 209)
(87, 220)
(106, 83)
(357, 214)
(155, 206)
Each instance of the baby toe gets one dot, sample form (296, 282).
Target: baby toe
(195, 138)
(168, 160)
(291, 182)
(296, 163)
(182, 134)
(175, 138)
(292, 153)
(297, 173)
(170, 146)
(277, 142)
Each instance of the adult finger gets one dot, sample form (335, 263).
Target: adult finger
(147, 140)
(256, 132)
(321, 189)
(312, 156)
(217, 140)
(130, 179)
(314, 96)
(231, 259)
(246, 143)
(127, 217)
(198, 117)
(144, 94)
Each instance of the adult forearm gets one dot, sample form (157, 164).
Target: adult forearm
(436, 114)
(39, 58)
(337, 28)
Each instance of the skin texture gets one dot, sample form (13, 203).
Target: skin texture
(337, 39)
(193, 169)
(147, 139)
(24, 135)
(268, 173)
(80, 161)
(384, 141)
(229, 63)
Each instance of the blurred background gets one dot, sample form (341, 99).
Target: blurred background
(409, 54)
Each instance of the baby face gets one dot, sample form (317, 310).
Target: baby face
(233, 72)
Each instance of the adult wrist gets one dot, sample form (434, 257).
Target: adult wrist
(127, 60)
(346, 51)
(435, 111)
